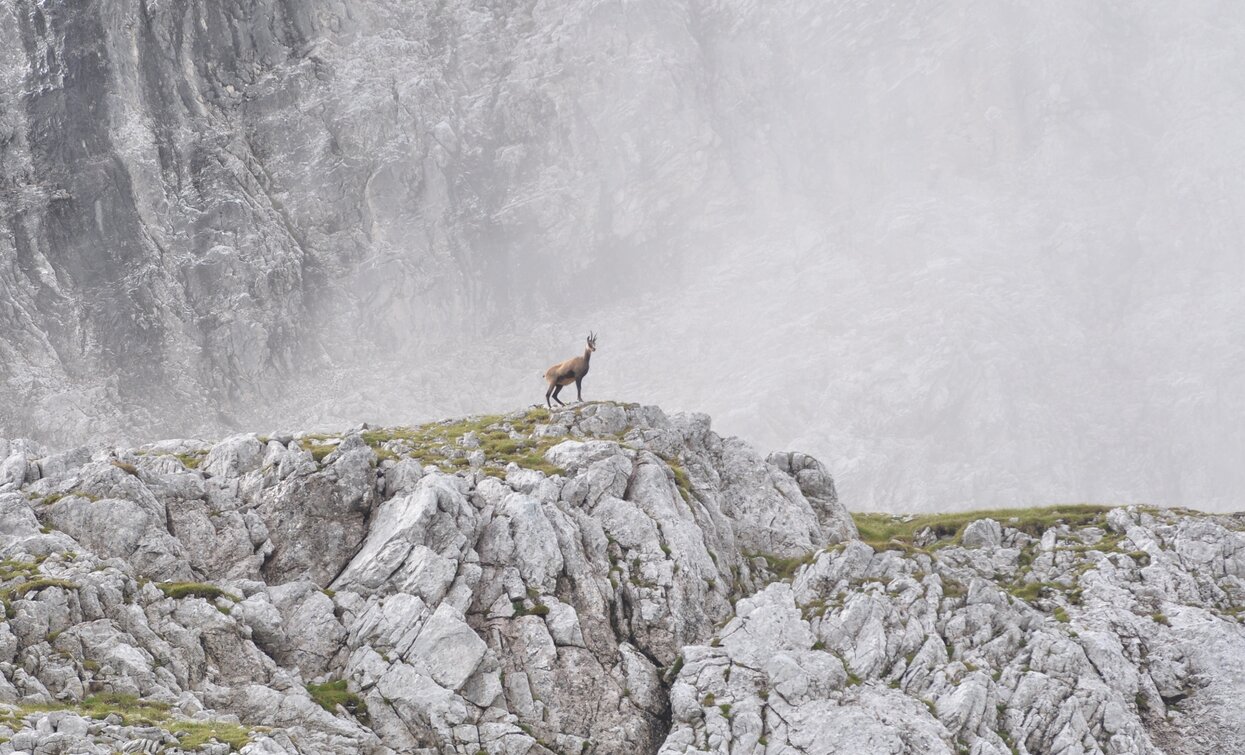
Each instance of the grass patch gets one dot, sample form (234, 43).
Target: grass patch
(135, 712)
(681, 479)
(887, 532)
(521, 609)
(671, 673)
(178, 590)
(1031, 591)
(332, 694)
(131, 710)
(191, 735)
(318, 445)
(783, 567)
(35, 585)
(191, 460)
(502, 438)
(13, 569)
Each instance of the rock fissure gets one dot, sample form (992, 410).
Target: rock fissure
(470, 612)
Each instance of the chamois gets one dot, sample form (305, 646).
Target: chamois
(571, 371)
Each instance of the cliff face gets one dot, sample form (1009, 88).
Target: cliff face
(217, 215)
(603, 579)
(200, 199)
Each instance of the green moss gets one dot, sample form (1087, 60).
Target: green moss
(1061, 615)
(887, 532)
(726, 709)
(332, 694)
(709, 700)
(1160, 618)
(194, 590)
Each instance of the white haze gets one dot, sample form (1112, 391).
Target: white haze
(968, 255)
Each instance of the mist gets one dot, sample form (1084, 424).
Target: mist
(968, 257)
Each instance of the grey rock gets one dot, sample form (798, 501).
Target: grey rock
(317, 522)
(983, 533)
(631, 601)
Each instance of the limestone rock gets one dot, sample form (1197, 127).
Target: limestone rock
(643, 585)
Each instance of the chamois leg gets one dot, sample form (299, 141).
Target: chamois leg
(548, 393)
(556, 391)
(579, 395)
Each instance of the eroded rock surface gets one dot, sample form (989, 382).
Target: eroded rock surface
(521, 583)
(602, 579)
(1120, 636)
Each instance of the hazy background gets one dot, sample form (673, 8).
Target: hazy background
(967, 254)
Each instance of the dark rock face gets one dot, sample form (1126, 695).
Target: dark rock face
(200, 198)
(140, 254)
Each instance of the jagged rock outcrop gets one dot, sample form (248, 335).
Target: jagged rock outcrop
(1119, 636)
(601, 579)
(469, 601)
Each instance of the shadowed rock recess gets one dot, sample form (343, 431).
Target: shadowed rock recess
(602, 579)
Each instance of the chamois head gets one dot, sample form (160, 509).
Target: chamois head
(592, 341)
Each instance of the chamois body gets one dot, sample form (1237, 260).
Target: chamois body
(572, 370)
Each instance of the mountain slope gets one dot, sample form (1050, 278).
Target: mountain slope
(996, 252)
(601, 579)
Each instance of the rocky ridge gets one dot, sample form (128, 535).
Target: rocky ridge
(603, 578)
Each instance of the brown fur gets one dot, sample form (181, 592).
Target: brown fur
(571, 371)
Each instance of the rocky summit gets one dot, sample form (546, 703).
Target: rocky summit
(597, 579)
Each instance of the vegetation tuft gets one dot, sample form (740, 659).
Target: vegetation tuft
(783, 567)
(194, 590)
(132, 711)
(502, 438)
(887, 532)
(332, 694)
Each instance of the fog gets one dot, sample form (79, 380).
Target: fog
(968, 256)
